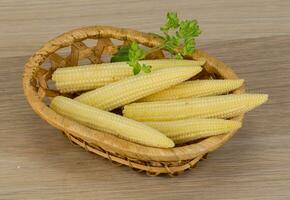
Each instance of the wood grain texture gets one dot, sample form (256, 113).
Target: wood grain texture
(25, 25)
(37, 162)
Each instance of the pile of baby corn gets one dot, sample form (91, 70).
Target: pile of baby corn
(160, 109)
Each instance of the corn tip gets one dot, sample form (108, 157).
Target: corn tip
(170, 143)
(258, 99)
(235, 124)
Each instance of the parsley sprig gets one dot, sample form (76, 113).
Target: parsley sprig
(135, 54)
(122, 54)
(179, 39)
(179, 36)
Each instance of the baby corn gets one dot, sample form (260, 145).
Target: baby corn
(109, 122)
(196, 88)
(136, 87)
(186, 130)
(224, 106)
(88, 77)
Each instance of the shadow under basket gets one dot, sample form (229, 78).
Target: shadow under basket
(95, 45)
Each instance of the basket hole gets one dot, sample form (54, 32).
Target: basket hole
(85, 61)
(46, 100)
(117, 42)
(33, 82)
(167, 54)
(46, 64)
(106, 58)
(216, 76)
(51, 85)
(64, 52)
(90, 42)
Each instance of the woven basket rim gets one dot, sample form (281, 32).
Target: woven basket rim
(108, 142)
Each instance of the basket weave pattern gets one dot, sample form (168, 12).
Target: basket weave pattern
(154, 161)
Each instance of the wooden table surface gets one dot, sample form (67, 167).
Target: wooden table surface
(37, 162)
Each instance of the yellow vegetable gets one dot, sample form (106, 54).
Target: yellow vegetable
(88, 77)
(109, 122)
(136, 87)
(186, 130)
(224, 106)
(196, 88)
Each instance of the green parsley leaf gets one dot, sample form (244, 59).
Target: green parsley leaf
(136, 68)
(121, 55)
(171, 42)
(146, 68)
(188, 48)
(188, 29)
(183, 38)
(135, 54)
(171, 23)
(178, 56)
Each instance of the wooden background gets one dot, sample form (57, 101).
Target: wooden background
(253, 36)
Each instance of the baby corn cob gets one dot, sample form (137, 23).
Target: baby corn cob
(80, 78)
(186, 130)
(224, 106)
(196, 88)
(133, 88)
(105, 121)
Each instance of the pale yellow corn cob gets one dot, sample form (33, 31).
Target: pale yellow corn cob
(186, 130)
(133, 88)
(109, 122)
(80, 78)
(224, 106)
(196, 88)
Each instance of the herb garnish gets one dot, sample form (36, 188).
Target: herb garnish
(179, 39)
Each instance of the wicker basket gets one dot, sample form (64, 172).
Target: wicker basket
(154, 161)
